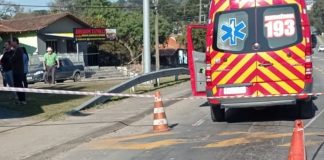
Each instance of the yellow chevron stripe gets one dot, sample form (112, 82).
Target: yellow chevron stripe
(218, 55)
(230, 59)
(260, 80)
(246, 74)
(269, 74)
(304, 41)
(300, 83)
(269, 88)
(255, 93)
(298, 51)
(282, 54)
(280, 67)
(236, 68)
(223, 7)
(270, 2)
(283, 84)
(286, 87)
(294, 2)
(242, 3)
(260, 93)
(214, 90)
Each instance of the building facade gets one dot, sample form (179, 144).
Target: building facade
(38, 33)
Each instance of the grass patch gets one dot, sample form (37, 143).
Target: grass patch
(164, 82)
(48, 106)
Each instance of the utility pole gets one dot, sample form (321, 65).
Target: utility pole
(200, 12)
(157, 51)
(147, 42)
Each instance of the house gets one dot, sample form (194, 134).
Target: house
(39, 32)
(172, 53)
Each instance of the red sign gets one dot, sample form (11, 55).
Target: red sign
(90, 34)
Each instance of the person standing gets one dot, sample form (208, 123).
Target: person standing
(17, 65)
(26, 63)
(49, 65)
(6, 67)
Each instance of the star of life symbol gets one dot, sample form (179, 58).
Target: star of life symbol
(233, 31)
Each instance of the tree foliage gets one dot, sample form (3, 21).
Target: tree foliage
(317, 15)
(9, 11)
(129, 21)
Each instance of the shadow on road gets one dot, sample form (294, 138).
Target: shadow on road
(275, 113)
(36, 103)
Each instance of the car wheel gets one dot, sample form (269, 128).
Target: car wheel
(306, 109)
(217, 113)
(77, 77)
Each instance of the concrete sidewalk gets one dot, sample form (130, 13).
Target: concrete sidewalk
(27, 139)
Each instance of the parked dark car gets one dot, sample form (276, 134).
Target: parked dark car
(67, 71)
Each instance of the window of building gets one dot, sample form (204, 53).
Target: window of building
(70, 46)
(53, 44)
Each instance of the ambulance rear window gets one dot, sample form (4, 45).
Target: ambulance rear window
(232, 31)
(280, 26)
(271, 28)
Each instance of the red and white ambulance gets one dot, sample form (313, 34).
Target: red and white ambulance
(257, 48)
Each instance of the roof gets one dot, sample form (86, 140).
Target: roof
(35, 23)
(172, 43)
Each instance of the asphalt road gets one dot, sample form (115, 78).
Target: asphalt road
(248, 134)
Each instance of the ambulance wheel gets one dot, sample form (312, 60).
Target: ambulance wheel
(217, 113)
(306, 109)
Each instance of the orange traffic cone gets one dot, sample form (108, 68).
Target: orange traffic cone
(160, 123)
(297, 146)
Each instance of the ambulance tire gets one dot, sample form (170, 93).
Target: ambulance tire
(217, 113)
(306, 109)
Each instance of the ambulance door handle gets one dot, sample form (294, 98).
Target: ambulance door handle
(266, 64)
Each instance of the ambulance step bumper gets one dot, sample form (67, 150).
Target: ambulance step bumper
(257, 102)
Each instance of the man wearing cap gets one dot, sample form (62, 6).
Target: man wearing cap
(50, 62)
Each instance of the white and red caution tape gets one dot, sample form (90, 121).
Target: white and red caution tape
(98, 93)
(65, 92)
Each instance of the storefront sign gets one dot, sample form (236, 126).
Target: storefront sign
(94, 34)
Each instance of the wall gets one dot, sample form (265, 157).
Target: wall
(27, 40)
(64, 25)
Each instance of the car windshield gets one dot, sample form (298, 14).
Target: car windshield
(277, 27)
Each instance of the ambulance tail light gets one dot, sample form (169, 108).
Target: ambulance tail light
(308, 68)
(208, 70)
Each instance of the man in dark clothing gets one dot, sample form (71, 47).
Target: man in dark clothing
(6, 64)
(6, 67)
(18, 69)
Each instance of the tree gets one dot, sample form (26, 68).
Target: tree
(317, 15)
(62, 6)
(127, 21)
(10, 10)
(30, 14)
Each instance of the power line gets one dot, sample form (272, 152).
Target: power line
(112, 7)
(56, 6)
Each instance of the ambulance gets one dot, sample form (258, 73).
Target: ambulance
(256, 48)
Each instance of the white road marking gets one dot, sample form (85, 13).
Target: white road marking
(199, 122)
(314, 119)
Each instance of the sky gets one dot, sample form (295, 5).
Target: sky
(36, 2)
(32, 2)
